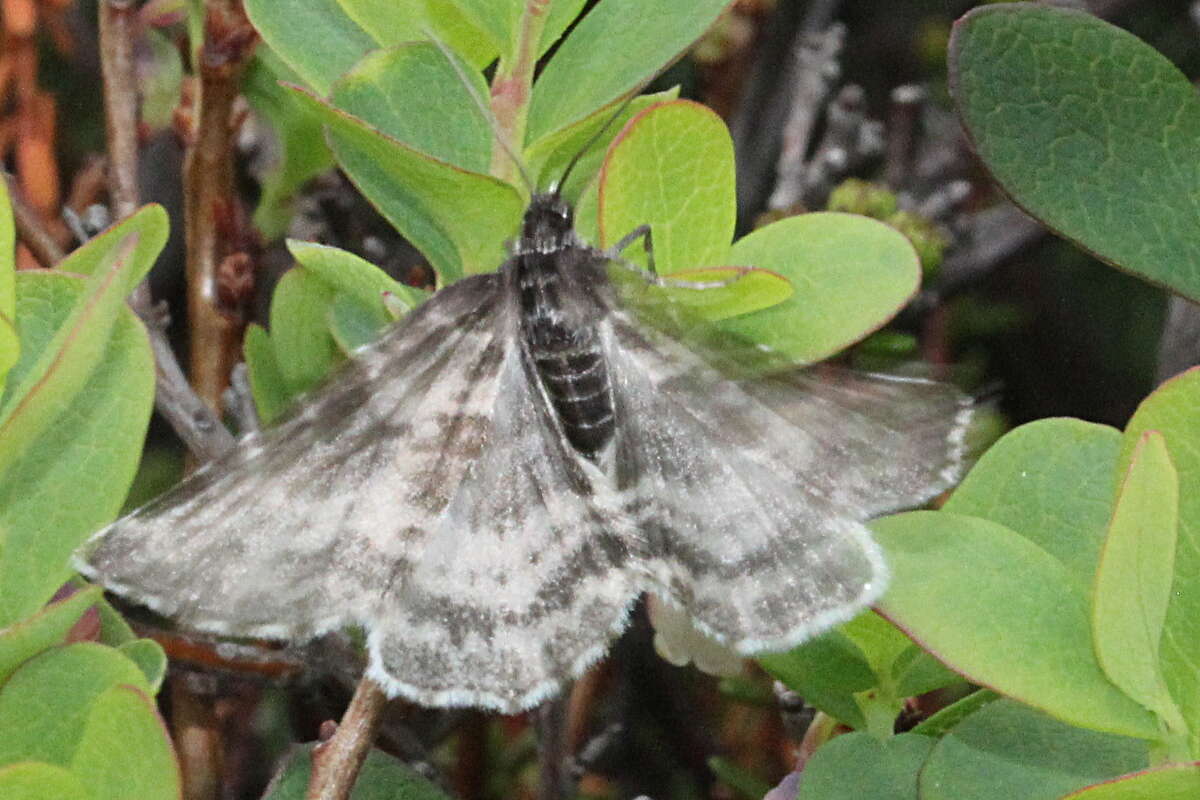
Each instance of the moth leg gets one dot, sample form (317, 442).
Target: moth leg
(640, 232)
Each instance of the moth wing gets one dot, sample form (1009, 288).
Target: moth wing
(299, 529)
(750, 493)
(524, 580)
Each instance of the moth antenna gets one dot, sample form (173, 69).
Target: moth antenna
(556, 187)
(483, 107)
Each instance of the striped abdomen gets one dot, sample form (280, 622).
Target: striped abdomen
(566, 352)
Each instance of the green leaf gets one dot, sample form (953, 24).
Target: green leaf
(346, 272)
(75, 473)
(151, 225)
(45, 629)
(901, 668)
(354, 325)
(730, 291)
(1008, 750)
(547, 158)
(388, 22)
(44, 706)
(1052, 481)
(10, 345)
(827, 672)
(1090, 130)
(743, 782)
(1002, 612)
(160, 78)
(1133, 582)
(497, 19)
(390, 90)
(272, 394)
(302, 152)
(947, 718)
(459, 220)
(651, 177)
(45, 383)
(323, 39)
(850, 275)
(125, 751)
(617, 47)
(304, 349)
(1172, 410)
(316, 38)
(392, 23)
(8, 244)
(150, 659)
(383, 777)
(857, 765)
(34, 780)
(1172, 782)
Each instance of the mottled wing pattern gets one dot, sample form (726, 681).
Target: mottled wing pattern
(298, 530)
(524, 580)
(750, 494)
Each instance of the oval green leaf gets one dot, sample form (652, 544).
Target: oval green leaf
(1009, 750)
(857, 765)
(617, 47)
(124, 750)
(827, 672)
(1051, 481)
(73, 476)
(1090, 130)
(45, 629)
(150, 659)
(272, 394)
(1003, 613)
(304, 349)
(390, 90)
(316, 38)
(459, 220)
(45, 705)
(1133, 582)
(1172, 410)
(8, 243)
(36, 780)
(850, 275)
(671, 168)
(1172, 782)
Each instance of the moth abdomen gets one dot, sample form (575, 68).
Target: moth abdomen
(577, 383)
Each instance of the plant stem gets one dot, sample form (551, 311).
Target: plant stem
(30, 230)
(335, 763)
(118, 19)
(550, 721)
(210, 205)
(197, 739)
(511, 87)
(196, 425)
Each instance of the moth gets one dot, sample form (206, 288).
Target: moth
(488, 488)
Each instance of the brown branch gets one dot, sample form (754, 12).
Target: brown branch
(335, 763)
(118, 23)
(209, 195)
(199, 428)
(550, 722)
(194, 422)
(197, 737)
(30, 230)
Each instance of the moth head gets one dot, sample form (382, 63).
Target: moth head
(549, 219)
